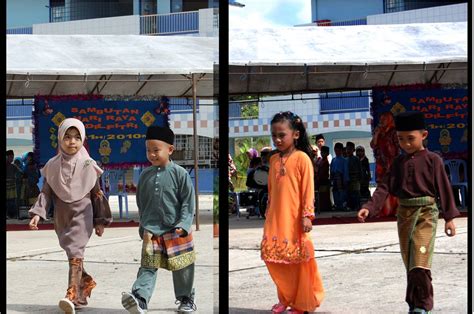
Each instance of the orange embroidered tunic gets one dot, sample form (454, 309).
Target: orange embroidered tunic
(290, 198)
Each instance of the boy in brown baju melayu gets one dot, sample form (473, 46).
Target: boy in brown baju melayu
(418, 179)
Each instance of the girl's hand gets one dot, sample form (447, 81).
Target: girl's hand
(99, 230)
(307, 225)
(450, 228)
(179, 231)
(362, 214)
(34, 222)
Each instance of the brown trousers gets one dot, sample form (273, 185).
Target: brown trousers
(80, 283)
(419, 289)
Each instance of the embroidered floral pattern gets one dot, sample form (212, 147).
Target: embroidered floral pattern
(283, 251)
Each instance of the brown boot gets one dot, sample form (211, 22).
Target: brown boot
(87, 284)
(75, 274)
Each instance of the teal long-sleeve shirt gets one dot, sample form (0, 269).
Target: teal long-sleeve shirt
(165, 199)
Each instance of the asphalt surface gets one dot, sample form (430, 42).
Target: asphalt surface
(37, 268)
(360, 265)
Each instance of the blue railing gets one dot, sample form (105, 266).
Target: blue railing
(182, 105)
(350, 23)
(361, 21)
(22, 108)
(19, 109)
(168, 24)
(20, 31)
(344, 102)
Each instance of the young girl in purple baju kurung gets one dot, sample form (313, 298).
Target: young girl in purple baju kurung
(71, 185)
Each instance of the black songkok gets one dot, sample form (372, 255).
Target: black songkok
(325, 149)
(319, 136)
(160, 133)
(410, 121)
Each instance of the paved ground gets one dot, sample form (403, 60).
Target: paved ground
(360, 264)
(37, 268)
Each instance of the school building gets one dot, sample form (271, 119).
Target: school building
(344, 116)
(124, 17)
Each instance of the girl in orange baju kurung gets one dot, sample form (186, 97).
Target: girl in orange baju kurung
(286, 247)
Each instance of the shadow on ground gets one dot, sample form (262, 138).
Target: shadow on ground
(31, 308)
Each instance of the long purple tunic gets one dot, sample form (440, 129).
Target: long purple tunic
(73, 222)
(415, 175)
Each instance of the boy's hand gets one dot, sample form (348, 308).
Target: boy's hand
(34, 222)
(307, 224)
(362, 214)
(99, 230)
(450, 228)
(179, 231)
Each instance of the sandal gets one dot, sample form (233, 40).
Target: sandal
(278, 308)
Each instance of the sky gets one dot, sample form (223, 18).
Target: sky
(270, 13)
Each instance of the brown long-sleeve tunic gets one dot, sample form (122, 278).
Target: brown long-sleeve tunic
(415, 175)
(73, 222)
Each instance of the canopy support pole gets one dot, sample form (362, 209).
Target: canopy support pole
(54, 85)
(195, 151)
(392, 75)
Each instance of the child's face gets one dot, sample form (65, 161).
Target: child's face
(411, 141)
(158, 152)
(360, 153)
(283, 136)
(349, 150)
(324, 154)
(338, 151)
(72, 141)
(320, 143)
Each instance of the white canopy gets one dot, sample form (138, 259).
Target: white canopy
(341, 58)
(130, 65)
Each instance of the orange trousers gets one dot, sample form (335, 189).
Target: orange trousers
(299, 286)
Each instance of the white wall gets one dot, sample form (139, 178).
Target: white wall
(206, 122)
(447, 13)
(308, 110)
(206, 23)
(120, 25)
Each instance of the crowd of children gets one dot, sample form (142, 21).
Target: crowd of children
(22, 177)
(347, 175)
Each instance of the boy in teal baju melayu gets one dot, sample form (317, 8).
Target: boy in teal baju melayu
(165, 199)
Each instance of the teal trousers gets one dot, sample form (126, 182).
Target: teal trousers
(183, 281)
